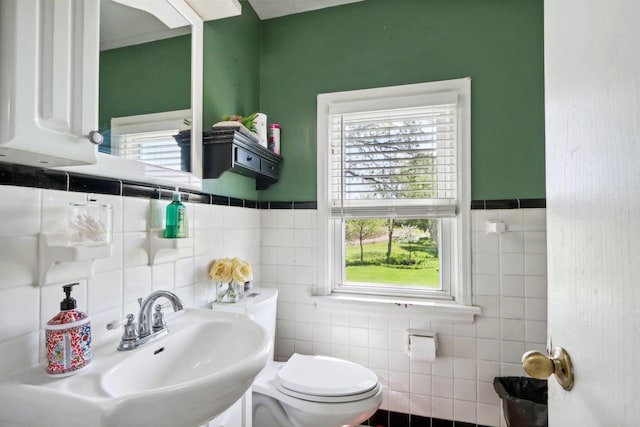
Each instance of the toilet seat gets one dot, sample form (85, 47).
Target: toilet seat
(308, 410)
(325, 379)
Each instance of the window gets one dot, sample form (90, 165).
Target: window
(150, 138)
(393, 191)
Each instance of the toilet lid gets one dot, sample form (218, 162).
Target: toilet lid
(330, 399)
(325, 376)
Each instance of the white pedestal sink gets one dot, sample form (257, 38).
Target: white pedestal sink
(205, 363)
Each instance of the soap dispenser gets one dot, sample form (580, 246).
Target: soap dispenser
(68, 338)
(176, 218)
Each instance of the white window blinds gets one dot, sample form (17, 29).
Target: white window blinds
(157, 148)
(394, 163)
(150, 137)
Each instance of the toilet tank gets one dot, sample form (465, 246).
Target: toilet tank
(261, 305)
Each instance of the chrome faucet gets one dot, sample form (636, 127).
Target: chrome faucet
(146, 324)
(149, 327)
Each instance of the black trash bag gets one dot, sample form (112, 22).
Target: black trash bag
(524, 401)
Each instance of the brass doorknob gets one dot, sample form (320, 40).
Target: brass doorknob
(541, 366)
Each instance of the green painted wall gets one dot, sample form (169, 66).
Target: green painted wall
(498, 43)
(278, 67)
(231, 85)
(145, 78)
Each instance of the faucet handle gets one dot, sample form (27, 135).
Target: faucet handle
(130, 332)
(114, 324)
(166, 304)
(158, 319)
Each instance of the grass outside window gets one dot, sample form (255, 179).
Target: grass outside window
(397, 253)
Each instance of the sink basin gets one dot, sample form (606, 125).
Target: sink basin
(201, 367)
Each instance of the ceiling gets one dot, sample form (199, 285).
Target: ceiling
(123, 26)
(267, 9)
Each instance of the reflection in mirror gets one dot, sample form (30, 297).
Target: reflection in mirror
(145, 83)
(151, 138)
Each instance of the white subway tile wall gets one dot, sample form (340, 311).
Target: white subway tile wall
(509, 282)
(112, 291)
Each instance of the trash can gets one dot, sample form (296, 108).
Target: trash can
(524, 401)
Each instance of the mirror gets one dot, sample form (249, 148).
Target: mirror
(151, 86)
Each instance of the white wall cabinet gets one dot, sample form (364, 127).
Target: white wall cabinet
(49, 60)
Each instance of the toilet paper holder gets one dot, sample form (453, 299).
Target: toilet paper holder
(420, 333)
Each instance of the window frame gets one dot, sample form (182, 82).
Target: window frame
(404, 96)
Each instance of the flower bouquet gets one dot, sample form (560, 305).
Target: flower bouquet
(230, 274)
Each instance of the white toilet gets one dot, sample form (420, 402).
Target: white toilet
(305, 391)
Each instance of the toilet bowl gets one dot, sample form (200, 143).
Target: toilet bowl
(306, 391)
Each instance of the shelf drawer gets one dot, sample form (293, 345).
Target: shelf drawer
(247, 159)
(269, 168)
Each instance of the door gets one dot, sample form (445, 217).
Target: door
(592, 103)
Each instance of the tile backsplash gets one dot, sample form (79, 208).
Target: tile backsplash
(112, 290)
(509, 284)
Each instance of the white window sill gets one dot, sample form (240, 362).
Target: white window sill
(427, 309)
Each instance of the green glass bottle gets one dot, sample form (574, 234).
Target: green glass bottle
(176, 219)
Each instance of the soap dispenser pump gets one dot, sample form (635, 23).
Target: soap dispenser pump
(68, 338)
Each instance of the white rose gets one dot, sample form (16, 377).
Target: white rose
(221, 270)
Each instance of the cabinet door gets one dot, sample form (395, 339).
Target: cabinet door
(49, 81)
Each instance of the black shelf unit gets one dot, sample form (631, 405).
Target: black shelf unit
(234, 150)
